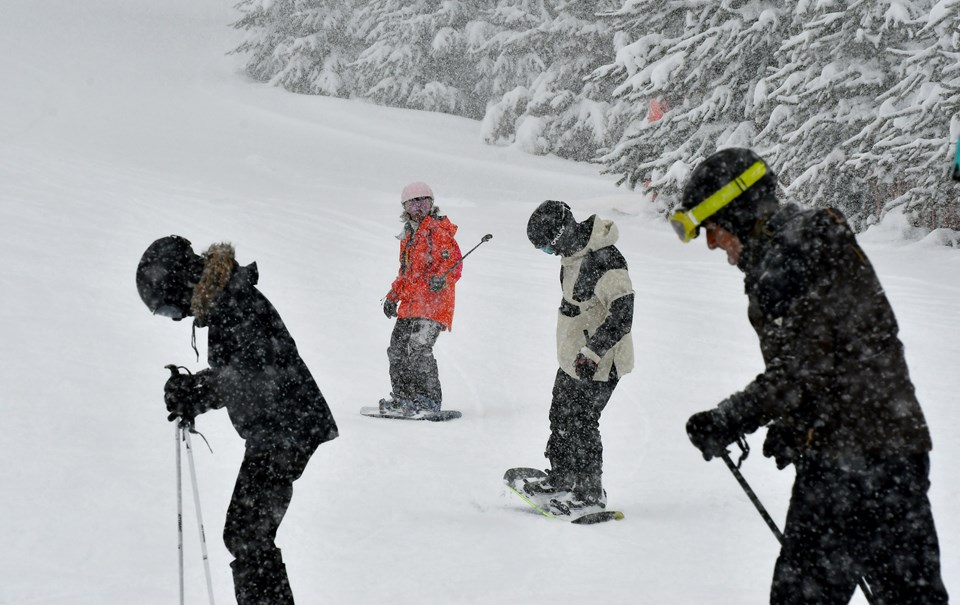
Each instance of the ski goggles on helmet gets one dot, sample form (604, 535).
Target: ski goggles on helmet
(422, 202)
(687, 223)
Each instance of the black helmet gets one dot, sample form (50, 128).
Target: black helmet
(733, 187)
(167, 272)
(552, 227)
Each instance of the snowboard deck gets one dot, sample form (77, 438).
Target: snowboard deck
(514, 479)
(442, 415)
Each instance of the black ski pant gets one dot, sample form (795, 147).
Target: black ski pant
(413, 368)
(873, 522)
(260, 499)
(574, 447)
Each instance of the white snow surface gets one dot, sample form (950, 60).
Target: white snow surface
(122, 122)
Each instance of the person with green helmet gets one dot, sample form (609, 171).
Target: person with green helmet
(835, 394)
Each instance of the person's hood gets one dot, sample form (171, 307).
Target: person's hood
(604, 233)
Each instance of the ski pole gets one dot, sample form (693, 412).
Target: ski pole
(753, 498)
(196, 502)
(177, 438)
(861, 582)
(485, 238)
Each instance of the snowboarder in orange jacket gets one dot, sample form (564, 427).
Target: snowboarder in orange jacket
(422, 298)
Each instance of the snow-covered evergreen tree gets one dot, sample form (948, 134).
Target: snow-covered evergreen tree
(508, 46)
(700, 63)
(415, 55)
(853, 102)
(533, 64)
(908, 142)
(302, 45)
(822, 101)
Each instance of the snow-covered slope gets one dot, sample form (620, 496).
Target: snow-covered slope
(123, 122)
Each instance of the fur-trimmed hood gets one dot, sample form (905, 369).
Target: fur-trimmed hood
(219, 265)
(410, 225)
(255, 371)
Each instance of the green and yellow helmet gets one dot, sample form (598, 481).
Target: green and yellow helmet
(733, 187)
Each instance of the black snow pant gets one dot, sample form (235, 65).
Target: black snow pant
(413, 368)
(574, 447)
(260, 499)
(843, 524)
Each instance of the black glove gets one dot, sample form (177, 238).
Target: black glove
(437, 283)
(584, 366)
(183, 397)
(784, 443)
(390, 308)
(711, 432)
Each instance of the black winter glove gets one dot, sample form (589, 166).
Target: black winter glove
(437, 283)
(585, 367)
(183, 397)
(784, 443)
(390, 308)
(711, 433)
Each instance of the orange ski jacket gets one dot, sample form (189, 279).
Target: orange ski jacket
(427, 252)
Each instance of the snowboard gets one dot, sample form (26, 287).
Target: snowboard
(515, 478)
(442, 415)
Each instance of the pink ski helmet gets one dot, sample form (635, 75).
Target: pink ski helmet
(415, 190)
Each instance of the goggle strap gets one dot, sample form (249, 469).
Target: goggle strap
(727, 193)
(563, 225)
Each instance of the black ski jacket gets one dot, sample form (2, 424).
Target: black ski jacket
(836, 383)
(256, 371)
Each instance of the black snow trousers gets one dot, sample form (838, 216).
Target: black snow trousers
(413, 368)
(260, 499)
(574, 447)
(874, 522)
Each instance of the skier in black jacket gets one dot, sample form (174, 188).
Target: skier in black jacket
(257, 374)
(835, 395)
(594, 350)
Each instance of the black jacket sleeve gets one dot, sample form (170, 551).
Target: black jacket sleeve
(617, 325)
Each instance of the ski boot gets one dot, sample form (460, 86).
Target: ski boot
(426, 405)
(554, 485)
(393, 406)
(586, 496)
(408, 407)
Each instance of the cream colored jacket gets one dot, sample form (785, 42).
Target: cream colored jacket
(591, 280)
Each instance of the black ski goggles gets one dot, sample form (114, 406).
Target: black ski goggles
(687, 223)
